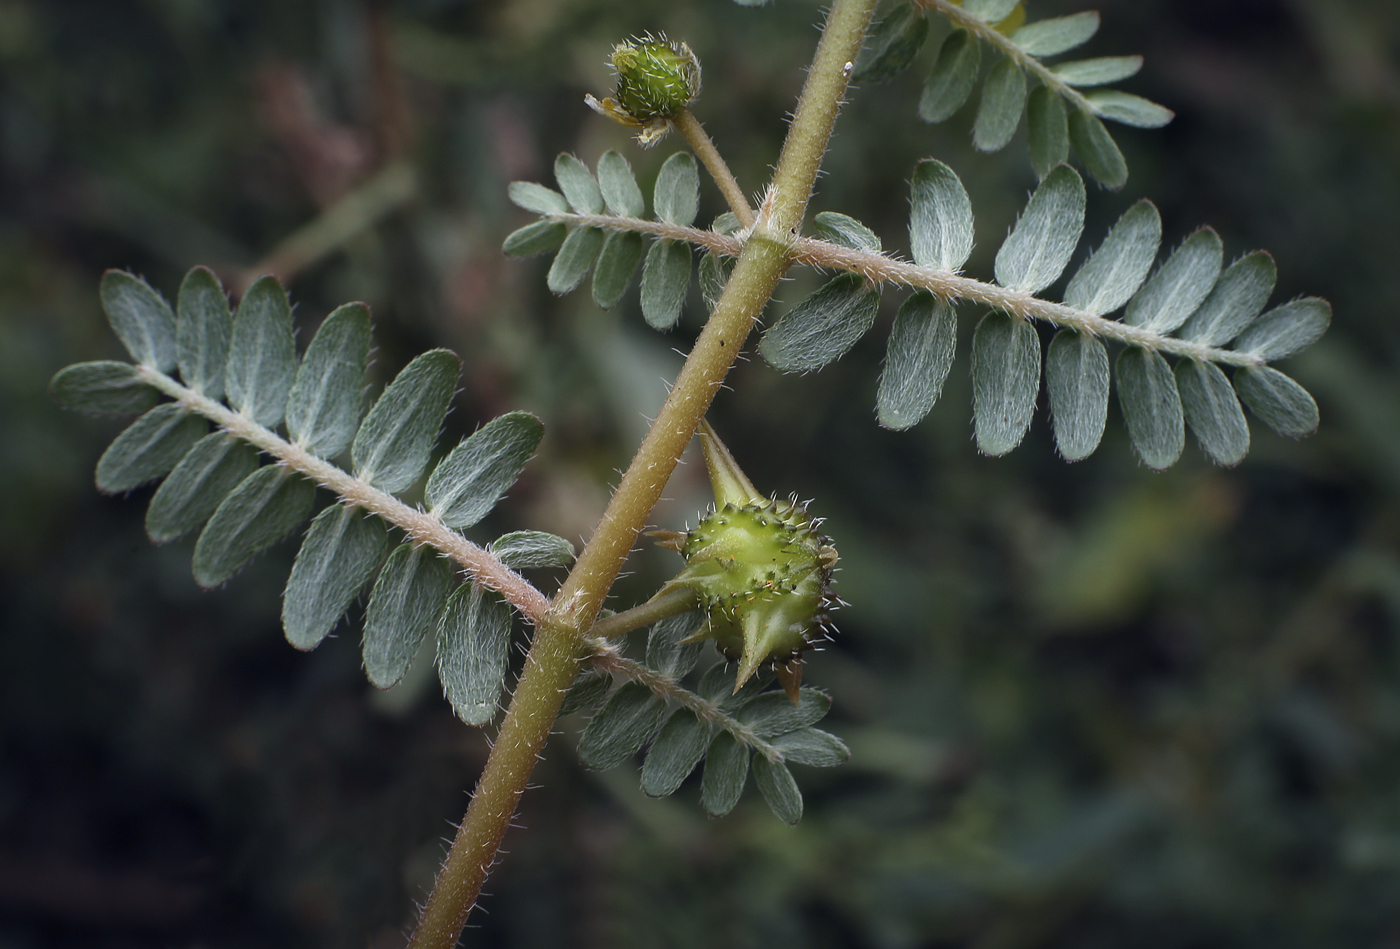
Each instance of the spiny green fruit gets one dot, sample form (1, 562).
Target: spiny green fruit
(656, 80)
(761, 570)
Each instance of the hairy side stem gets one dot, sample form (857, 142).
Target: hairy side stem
(561, 637)
(689, 126)
(422, 527)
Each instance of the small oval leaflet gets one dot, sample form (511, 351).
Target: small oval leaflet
(617, 262)
(1278, 401)
(203, 327)
(470, 481)
(940, 217)
(1077, 378)
(1115, 271)
(627, 720)
(1005, 381)
(404, 607)
(1213, 411)
(1048, 124)
(149, 448)
(191, 493)
(1046, 235)
(918, 356)
(341, 551)
(262, 361)
(823, 327)
(267, 506)
(619, 186)
(676, 198)
(396, 438)
(103, 388)
(953, 77)
(1003, 101)
(675, 753)
(1151, 406)
(473, 652)
(574, 260)
(578, 184)
(1097, 150)
(726, 773)
(665, 282)
(141, 318)
(323, 410)
(1058, 35)
(779, 789)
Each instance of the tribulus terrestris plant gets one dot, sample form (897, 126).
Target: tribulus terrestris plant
(243, 431)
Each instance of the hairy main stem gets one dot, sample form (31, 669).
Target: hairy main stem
(562, 636)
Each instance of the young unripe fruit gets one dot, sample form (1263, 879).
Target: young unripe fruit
(761, 570)
(656, 80)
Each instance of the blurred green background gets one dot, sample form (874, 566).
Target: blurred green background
(1088, 705)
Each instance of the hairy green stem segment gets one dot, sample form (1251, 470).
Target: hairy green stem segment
(686, 123)
(562, 636)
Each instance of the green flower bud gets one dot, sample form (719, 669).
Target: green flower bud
(761, 570)
(656, 79)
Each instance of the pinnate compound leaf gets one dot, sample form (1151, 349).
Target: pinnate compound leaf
(953, 77)
(1098, 72)
(538, 238)
(1213, 411)
(343, 548)
(823, 327)
(265, 507)
(917, 359)
(574, 260)
(1180, 286)
(395, 439)
(537, 198)
(1048, 124)
(1077, 378)
(587, 693)
(1058, 35)
(1277, 401)
(404, 606)
(814, 747)
(262, 361)
(845, 231)
(103, 388)
(772, 713)
(1115, 271)
(470, 481)
(1151, 406)
(323, 410)
(1097, 149)
(665, 282)
(666, 651)
(1286, 330)
(726, 773)
(1045, 237)
(675, 753)
(141, 318)
(216, 465)
(1128, 109)
(892, 44)
(1005, 381)
(990, 11)
(621, 193)
(149, 448)
(1234, 302)
(622, 251)
(676, 198)
(629, 717)
(940, 217)
(579, 187)
(203, 326)
(778, 788)
(1003, 101)
(473, 652)
(520, 550)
